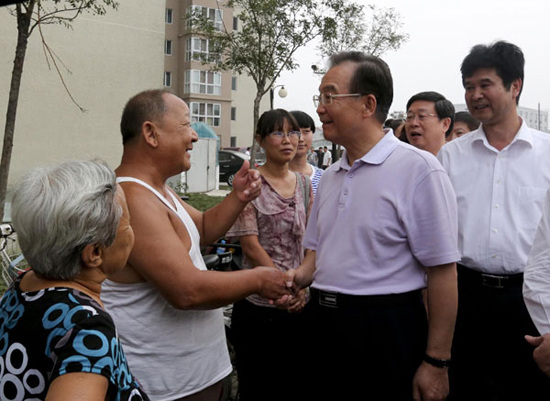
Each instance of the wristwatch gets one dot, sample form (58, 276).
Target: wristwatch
(438, 363)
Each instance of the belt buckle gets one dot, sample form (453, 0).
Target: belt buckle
(490, 280)
(328, 299)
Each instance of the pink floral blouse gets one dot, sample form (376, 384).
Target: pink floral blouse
(279, 223)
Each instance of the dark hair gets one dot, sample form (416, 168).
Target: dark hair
(394, 123)
(372, 76)
(443, 107)
(148, 105)
(303, 119)
(274, 120)
(506, 58)
(468, 119)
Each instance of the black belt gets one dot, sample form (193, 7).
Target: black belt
(339, 300)
(498, 281)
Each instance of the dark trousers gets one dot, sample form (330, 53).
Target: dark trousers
(491, 359)
(270, 351)
(366, 352)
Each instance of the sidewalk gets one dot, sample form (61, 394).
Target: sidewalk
(218, 192)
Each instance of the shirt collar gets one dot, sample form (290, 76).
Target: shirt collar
(377, 154)
(524, 135)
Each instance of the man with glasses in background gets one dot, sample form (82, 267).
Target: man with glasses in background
(429, 121)
(382, 228)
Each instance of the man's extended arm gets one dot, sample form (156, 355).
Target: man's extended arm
(430, 382)
(161, 256)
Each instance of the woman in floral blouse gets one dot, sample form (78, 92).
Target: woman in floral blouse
(270, 230)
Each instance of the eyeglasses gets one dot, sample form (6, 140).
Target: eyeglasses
(326, 98)
(421, 116)
(292, 135)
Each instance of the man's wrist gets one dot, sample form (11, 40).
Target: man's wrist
(438, 363)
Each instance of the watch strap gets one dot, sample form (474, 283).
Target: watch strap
(438, 363)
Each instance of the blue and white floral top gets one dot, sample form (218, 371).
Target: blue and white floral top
(59, 330)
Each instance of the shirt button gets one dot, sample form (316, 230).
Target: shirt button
(495, 230)
(497, 205)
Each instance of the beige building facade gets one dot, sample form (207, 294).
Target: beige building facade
(110, 58)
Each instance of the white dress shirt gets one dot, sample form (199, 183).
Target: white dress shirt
(536, 284)
(500, 197)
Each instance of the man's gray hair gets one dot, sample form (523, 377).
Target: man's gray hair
(58, 210)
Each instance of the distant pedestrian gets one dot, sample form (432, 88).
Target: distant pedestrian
(320, 155)
(327, 158)
(312, 157)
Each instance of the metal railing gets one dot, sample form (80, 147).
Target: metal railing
(13, 261)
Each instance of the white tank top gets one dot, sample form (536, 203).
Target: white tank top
(173, 353)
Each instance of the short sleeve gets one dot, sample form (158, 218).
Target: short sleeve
(431, 221)
(246, 223)
(92, 346)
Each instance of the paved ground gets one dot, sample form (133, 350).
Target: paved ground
(217, 192)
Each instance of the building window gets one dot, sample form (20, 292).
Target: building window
(233, 113)
(167, 78)
(198, 50)
(209, 113)
(205, 82)
(169, 16)
(213, 14)
(168, 47)
(235, 23)
(234, 83)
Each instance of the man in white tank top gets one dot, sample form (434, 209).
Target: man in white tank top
(165, 303)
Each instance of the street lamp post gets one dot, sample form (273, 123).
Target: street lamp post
(282, 93)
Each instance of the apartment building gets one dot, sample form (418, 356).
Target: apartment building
(221, 99)
(104, 61)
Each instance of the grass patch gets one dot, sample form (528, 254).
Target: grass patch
(203, 202)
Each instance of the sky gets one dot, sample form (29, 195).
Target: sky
(441, 33)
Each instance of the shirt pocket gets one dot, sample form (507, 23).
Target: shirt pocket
(530, 201)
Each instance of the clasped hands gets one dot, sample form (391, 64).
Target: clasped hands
(296, 295)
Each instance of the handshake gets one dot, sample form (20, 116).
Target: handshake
(286, 290)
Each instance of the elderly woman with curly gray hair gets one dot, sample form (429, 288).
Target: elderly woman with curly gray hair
(56, 340)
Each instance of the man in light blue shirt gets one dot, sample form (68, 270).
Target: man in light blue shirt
(383, 227)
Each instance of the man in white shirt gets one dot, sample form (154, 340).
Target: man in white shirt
(327, 158)
(500, 173)
(536, 289)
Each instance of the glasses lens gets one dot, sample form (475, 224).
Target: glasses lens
(294, 134)
(316, 100)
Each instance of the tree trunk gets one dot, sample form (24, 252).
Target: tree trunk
(257, 101)
(23, 25)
